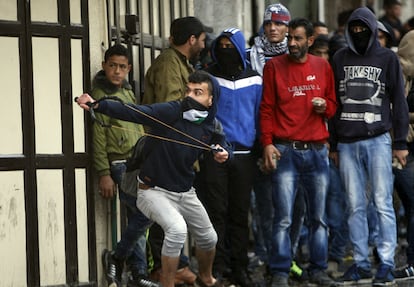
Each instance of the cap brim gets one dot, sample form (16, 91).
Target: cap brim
(208, 29)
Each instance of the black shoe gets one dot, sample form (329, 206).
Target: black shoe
(321, 278)
(242, 278)
(355, 275)
(384, 276)
(404, 273)
(112, 268)
(139, 280)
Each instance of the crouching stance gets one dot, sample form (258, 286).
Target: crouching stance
(179, 132)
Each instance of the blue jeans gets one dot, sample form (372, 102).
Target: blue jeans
(404, 185)
(310, 168)
(367, 163)
(336, 215)
(132, 246)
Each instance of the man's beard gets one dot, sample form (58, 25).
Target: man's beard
(300, 53)
(194, 54)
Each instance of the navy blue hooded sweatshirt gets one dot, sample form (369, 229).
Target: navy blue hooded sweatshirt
(369, 89)
(169, 165)
(240, 96)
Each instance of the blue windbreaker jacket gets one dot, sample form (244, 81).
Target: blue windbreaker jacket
(238, 106)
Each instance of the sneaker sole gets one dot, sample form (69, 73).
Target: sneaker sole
(321, 285)
(404, 278)
(353, 283)
(385, 284)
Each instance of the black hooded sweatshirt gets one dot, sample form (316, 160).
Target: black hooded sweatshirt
(369, 89)
(169, 165)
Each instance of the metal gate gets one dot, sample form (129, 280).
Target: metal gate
(45, 212)
(49, 226)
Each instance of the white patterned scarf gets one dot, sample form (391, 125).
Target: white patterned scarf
(263, 50)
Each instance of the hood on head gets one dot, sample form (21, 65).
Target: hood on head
(199, 77)
(366, 16)
(216, 95)
(236, 38)
(389, 33)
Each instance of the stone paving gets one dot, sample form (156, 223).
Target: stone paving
(400, 259)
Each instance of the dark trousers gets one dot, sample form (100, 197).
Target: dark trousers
(404, 185)
(224, 190)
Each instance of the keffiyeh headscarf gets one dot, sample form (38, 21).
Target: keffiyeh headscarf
(263, 49)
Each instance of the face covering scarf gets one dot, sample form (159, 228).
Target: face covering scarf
(229, 61)
(193, 111)
(361, 40)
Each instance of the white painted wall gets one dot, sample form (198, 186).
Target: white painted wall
(220, 15)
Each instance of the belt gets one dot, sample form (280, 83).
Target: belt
(299, 145)
(143, 186)
(241, 152)
(239, 149)
(118, 161)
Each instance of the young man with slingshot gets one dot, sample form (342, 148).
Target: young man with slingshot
(180, 132)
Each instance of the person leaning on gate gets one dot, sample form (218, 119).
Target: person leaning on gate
(111, 149)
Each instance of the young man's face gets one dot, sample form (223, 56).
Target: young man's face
(116, 69)
(298, 43)
(322, 51)
(225, 43)
(275, 31)
(200, 93)
(382, 38)
(320, 30)
(394, 11)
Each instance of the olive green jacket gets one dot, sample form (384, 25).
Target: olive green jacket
(112, 143)
(167, 77)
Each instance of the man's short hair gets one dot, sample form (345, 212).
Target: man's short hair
(183, 28)
(343, 17)
(302, 22)
(390, 3)
(321, 41)
(116, 50)
(319, 24)
(199, 77)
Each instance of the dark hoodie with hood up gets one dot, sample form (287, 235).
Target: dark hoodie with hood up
(241, 92)
(169, 165)
(369, 88)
